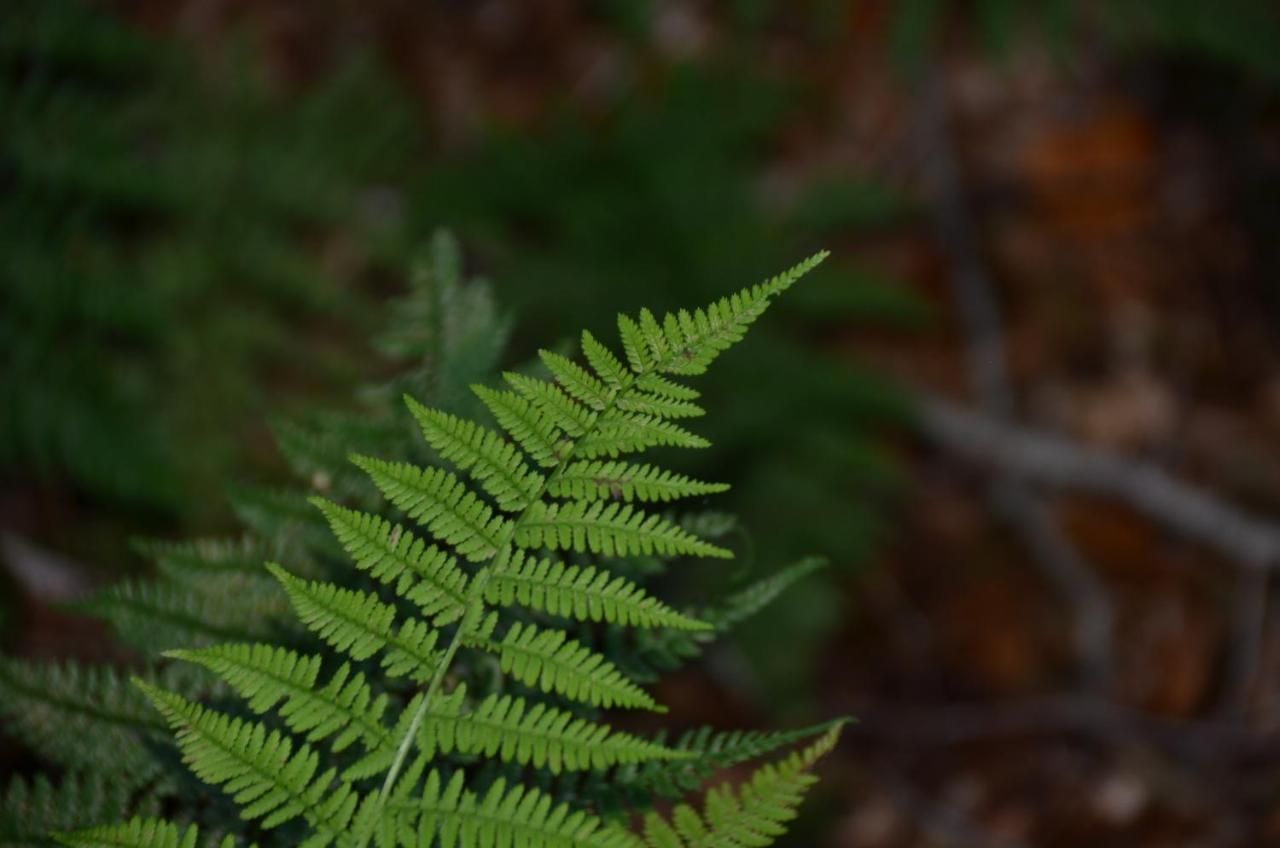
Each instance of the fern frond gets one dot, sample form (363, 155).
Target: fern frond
(152, 616)
(608, 529)
(440, 501)
(360, 625)
(607, 366)
(753, 815)
(31, 809)
(665, 387)
(685, 343)
(555, 406)
(634, 345)
(53, 708)
(576, 380)
(749, 600)
(602, 480)
(137, 833)
(258, 767)
(528, 427)
(624, 432)
(449, 815)
(200, 559)
(513, 730)
(551, 661)
(282, 515)
(443, 760)
(659, 406)
(493, 462)
(715, 750)
(318, 453)
(585, 593)
(265, 675)
(421, 573)
(651, 651)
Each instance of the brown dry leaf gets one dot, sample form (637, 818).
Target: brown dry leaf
(990, 633)
(1093, 178)
(1121, 544)
(1171, 652)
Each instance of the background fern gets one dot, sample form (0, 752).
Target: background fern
(159, 227)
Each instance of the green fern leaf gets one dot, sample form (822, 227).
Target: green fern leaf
(258, 767)
(449, 815)
(715, 750)
(53, 709)
(610, 369)
(440, 501)
(551, 661)
(634, 345)
(265, 675)
(622, 433)
(283, 515)
(608, 529)
(753, 815)
(513, 730)
(528, 427)
(749, 600)
(584, 593)
(555, 406)
(576, 380)
(31, 809)
(665, 387)
(599, 480)
(494, 463)
(686, 343)
(360, 625)
(659, 406)
(420, 573)
(152, 616)
(202, 559)
(137, 833)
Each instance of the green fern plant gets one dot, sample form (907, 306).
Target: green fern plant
(385, 753)
(165, 227)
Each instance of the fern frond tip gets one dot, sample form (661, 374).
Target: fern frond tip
(792, 275)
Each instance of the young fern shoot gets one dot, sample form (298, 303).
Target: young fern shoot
(555, 479)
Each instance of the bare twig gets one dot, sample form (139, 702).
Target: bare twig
(1057, 462)
(951, 724)
(1060, 561)
(980, 314)
(1249, 628)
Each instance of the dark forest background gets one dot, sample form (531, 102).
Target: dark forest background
(1030, 409)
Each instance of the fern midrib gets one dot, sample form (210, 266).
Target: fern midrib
(475, 594)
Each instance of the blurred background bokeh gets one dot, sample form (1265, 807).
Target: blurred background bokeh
(1030, 410)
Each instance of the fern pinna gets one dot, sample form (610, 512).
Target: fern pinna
(357, 766)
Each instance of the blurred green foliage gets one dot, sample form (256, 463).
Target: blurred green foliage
(172, 241)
